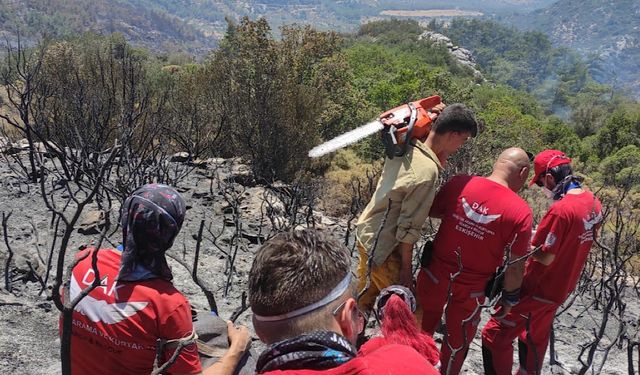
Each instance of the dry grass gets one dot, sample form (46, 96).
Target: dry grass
(5, 107)
(345, 173)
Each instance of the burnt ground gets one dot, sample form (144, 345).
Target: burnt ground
(28, 321)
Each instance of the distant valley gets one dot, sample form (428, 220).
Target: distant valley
(197, 26)
(608, 34)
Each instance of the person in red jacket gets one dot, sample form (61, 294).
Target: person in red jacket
(481, 218)
(563, 240)
(115, 327)
(303, 298)
(394, 309)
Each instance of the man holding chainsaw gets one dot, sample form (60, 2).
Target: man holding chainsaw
(392, 221)
(560, 248)
(485, 226)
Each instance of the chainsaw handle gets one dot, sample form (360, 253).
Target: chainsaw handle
(429, 103)
(408, 121)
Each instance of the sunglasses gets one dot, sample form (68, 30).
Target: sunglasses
(362, 319)
(530, 155)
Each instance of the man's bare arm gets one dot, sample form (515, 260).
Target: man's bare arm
(511, 291)
(239, 340)
(239, 343)
(542, 257)
(513, 274)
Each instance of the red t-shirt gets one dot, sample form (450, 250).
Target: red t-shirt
(390, 359)
(480, 217)
(432, 355)
(567, 232)
(116, 326)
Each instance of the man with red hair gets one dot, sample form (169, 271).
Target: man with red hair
(562, 240)
(395, 308)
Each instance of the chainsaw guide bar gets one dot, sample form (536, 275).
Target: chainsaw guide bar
(397, 128)
(346, 139)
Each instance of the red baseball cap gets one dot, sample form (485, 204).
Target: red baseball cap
(546, 160)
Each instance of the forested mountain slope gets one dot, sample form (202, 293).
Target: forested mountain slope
(608, 30)
(140, 23)
(197, 26)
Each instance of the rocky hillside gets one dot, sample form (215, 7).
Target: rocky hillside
(607, 31)
(29, 342)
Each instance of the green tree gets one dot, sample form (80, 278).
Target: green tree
(507, 126)
(558, 135)
(590, 108)
(622, 168)
(267, 93)
(621, 128)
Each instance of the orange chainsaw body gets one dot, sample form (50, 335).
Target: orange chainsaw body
(398, 124)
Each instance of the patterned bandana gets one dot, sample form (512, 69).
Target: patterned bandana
(568, 183)
(320, 350)
(151, 219)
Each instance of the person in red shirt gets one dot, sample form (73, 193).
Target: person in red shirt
(563, 240)
(394, 309)
(115, 327)
(302, 295)
(483, 220)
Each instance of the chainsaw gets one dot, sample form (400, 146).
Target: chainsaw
(397, 127)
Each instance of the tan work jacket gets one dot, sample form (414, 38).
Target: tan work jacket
(410, 183)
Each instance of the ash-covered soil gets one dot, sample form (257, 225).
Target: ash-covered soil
(28, 318)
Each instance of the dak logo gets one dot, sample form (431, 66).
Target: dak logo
(591, 222)
(101, 311)
(475, 216)
(550, 240)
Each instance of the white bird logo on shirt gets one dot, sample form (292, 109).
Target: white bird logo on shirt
(101, 311)
(588, 224)
(476, 216)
